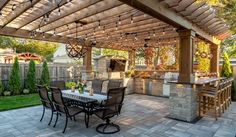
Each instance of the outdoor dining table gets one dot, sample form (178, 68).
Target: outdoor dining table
(85, 101)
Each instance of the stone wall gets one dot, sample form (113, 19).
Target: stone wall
(183, 102)
(148, 86)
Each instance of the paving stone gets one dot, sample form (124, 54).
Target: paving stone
(141, 116)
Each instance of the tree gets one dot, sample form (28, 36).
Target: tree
(14, 81)
(229, 46)
(45, 78)
(31, 78)
(44, 49)
(226, 70)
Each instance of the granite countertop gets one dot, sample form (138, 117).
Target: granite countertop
(200, 81)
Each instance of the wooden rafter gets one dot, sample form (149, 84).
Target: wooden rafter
(8, 31)
(3, 3)
(50, 8)
(140, 20)
(18, 11)
(106, 19)
(84, 13)
(68, 11)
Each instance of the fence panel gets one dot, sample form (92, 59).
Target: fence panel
(66, 72)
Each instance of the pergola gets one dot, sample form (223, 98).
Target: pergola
(118, 24)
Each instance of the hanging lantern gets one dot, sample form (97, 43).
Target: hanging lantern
(76, 50)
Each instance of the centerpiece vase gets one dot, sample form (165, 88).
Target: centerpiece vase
(81, 90)
(73, 89)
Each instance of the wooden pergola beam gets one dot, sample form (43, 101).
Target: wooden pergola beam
(18, 11)
(159, 11)
(20, 33)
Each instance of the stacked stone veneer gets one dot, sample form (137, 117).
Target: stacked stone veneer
(183, 102)
(148, 86)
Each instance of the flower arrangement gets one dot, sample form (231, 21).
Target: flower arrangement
(81, 85)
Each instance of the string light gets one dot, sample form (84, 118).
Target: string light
(54, 33)
(136, 36)
(103, 29)
(131, 19)
(121, 36)
(116, 26)
(43, 35)
(82, 26)
(163, 31)
(93, 31)
(154, 34)
(86, 36)
(13, 8)
(59, 11)
(119, 21)
(68, 29)
(99, 24)
(108, 36)
(149, 36)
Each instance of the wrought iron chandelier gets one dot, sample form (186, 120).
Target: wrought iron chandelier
(76, 50)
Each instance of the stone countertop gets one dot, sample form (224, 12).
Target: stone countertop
(200, 81)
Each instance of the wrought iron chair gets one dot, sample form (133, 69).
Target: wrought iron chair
(97, 85)
(113, 84)
(63, 107)
(46, 101)
(111, 107)
(60, 84)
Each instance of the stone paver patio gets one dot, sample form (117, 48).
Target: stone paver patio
(142, 116)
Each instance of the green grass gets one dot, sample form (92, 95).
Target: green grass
(20, 101)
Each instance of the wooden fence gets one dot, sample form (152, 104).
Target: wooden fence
(57, 72)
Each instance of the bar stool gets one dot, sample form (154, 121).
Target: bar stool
(209, 98)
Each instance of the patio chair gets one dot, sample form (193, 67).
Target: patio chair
(60, 84)
(97, 85)
(63, 107)
(46, 102)
(113, 84)
(111, 108)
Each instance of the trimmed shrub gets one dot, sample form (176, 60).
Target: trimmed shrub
(45, 78)
(14, 80)
(31, 78)
(1, 88)
(226, 70)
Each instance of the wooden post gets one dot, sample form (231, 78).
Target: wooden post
(186, 45)
(131, 59)
(214, 66)
(87, 60)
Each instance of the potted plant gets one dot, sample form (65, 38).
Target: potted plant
(71, 85)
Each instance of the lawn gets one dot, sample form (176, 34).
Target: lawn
(13, 102)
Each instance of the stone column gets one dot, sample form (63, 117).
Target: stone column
(131, 58)
(214, 66)
(186, 45)
(87, 60)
